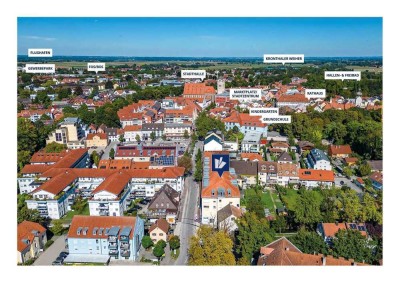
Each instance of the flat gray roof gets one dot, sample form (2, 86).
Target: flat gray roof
(71, 258)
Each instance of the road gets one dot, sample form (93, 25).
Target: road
(106, 154)
(49, 255)
(187, 225)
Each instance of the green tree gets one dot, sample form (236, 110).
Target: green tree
(158, 251)
(186, 162)
(351, 244)
(121, 138)
(95, 158)
(153, 136)
(370, 210)
(279, 223)
(364, 169)
(253, 233)
(147, 242)
(309, 242)
(109, 85)
(112, 153)
(161, 243)
(205, 123)
(210, 247)
(78, 91)
(57, 228)
(347, 171)
(55, 147)
(350, 206)
(174, 242)
(307, 208)
(254, 202)
(137, 138)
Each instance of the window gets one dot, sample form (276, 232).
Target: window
(161, 234)
(154, 234)
(58, 137)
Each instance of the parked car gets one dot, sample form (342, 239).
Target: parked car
(63, 255)
(57, 262)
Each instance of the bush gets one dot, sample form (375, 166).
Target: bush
(29, 261)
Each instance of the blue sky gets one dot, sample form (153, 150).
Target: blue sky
(202, 37)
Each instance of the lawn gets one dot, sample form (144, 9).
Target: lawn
(290, 198)
(71, 213)
(268, 202)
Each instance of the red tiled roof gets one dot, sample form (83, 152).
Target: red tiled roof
(161, 224)
(300, 98)
(24, 232)
(198, 88)
(330, 229)
(43, 157)
(70, 158)
(132, 128)
(102, 136)
(339, 149)
(114, 183)
(377, 177)
(316, 175)
(251, 156)
(35, 169)
(92, 222)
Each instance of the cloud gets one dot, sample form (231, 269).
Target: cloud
(39, 37)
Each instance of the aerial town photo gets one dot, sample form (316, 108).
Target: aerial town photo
(171, 142)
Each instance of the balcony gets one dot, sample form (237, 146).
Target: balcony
(124, 239)
(112, 239)
(103, 213)
(113, 246)
(113, 252)
(126, 253)
(125, 246)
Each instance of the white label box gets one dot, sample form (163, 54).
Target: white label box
(284, 119)
(193, 74)
(264, 112)
(40, 68)
(245, 94)
(96, 67)
(315, 93)
(40, 52)
(283, 58)
(343, 75)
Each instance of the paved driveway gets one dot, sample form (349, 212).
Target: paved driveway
(49, 255)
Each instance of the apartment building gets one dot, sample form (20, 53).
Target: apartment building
(318, 160)
(31, 238)
(104, 238)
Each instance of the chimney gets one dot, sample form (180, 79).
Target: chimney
(336, 223)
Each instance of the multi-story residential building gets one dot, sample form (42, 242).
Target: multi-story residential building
(131, 115)
(35, 115)
(157, 156)
(226, 217)
(156, 128)
(131, 132)
(318, 160)
(70, 133)
(104, 238)
(31, 238)
(112, 134)
(177, 130)
(159, 230)
(164, 204)
(110, 197)
(251, 142)
(288, 173)
(108, 189)
(311, 178)
(246, 172)
(339, 151)
(42, 162)
(267, 172)
(218, 191)
(245, 123)
(213, 141)
(96, 140)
